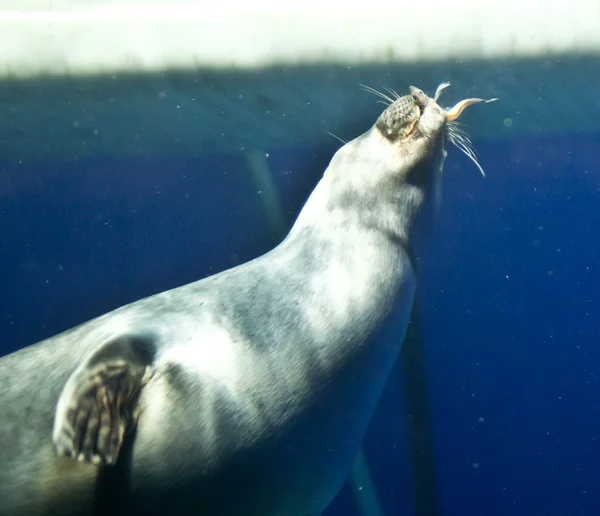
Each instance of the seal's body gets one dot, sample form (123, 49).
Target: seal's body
(246, 393)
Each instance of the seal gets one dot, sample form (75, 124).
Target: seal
(248, 392)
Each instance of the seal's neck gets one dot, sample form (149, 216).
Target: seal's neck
(368, 189)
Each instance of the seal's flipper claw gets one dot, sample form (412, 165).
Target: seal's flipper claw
(98, 404)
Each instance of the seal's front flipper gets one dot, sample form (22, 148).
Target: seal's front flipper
(98, 403)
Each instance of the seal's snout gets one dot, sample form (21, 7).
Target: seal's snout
(405, 114)
(400, 118)
(452, 114)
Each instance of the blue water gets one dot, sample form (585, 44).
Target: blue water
(509, 299)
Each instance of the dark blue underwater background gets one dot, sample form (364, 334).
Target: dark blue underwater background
(509, 299)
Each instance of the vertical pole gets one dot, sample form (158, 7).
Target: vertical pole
(418, 418)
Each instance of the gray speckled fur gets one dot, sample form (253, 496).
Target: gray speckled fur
(265, 375)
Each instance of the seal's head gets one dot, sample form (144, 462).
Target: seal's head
(397, 165)
(417, 118)
(390, 178)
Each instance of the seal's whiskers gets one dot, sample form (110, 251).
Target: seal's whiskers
(456, 135)
(460, 139)
(393, 93)
(387, 100)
